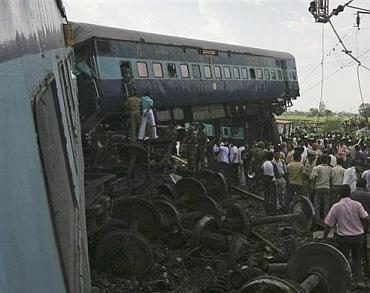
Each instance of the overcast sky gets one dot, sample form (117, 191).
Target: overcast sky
(274, 24)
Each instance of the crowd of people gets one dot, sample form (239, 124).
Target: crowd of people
(333, 171)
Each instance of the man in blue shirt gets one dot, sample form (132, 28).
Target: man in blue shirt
(147, 117)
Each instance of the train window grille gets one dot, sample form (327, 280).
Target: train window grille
(294, 75)
(253, 73)
(196, 71)
(244, 73)
(227, 72)
(171, 70)
(207, 71)
(157, 70)
(267, 73)
(259, 73)
(280, 75)
(218, 73)
(236, 72)
(142, 69)
(273, 74)
(184, 71)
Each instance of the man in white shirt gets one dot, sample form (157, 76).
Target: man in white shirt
(269, 184)
(366, 175)
(223, 160)
(242, 180)
(350, 178)
(234, 164)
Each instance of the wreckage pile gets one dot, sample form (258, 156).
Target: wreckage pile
(155, 227)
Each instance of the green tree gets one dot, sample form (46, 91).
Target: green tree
(314, 112)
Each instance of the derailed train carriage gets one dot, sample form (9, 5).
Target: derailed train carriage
(234, 90)
(43, 243)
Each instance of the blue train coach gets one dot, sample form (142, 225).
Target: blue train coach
(190, 80)
(43, 242)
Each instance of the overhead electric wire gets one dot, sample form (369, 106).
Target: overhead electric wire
(327, 77)
(327, 55)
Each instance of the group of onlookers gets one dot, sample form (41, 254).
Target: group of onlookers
(330, 172)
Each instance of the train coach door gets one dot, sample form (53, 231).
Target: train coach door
(284, 68)
(128, 81)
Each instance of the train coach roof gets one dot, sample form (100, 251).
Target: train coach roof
(85, 31)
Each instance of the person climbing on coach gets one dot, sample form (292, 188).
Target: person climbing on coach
(133, 107)
(352, 221)
(147, 117)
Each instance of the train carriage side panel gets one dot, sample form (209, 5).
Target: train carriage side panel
(43, 244)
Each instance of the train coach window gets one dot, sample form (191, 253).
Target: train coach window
(236, 72)
(244, 73)
(171, 69)
(253, 73)
(259, 73)
(196, 71)
(227, 72)
(218, 72)
(267, 73)
(280, 75)
(184, 71)
(207, 71)
(142, 69)
(157, 70)
(273, 73)
(294, 74)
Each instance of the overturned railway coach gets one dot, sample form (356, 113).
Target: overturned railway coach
(190, 80)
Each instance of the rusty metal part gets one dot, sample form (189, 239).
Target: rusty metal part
(124, 254)
(93, 215)
(114, 224)
(243, 275)
(269, 243)
(248, 193)
(301, 216)
(133, 154)
(189, 186)
(207, 232)
(324, 260)
(195, 207)
(237, 220)
(167, 191)
(140, 214)
(270, 284)
(215, 183)
(313, 267)
(219, 284)
(170, 217)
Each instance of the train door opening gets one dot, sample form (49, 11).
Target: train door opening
(128, 81)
